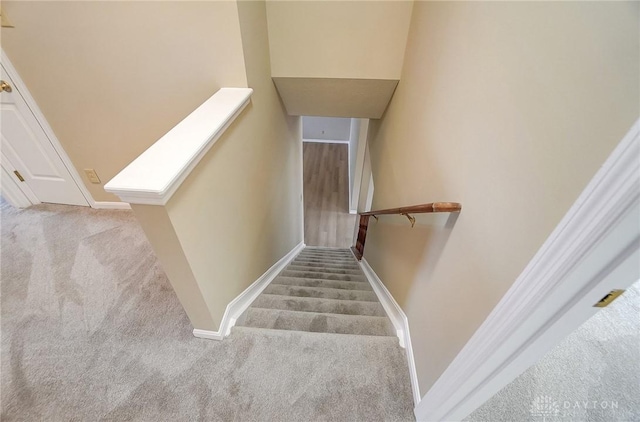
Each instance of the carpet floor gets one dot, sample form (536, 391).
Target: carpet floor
(92, 330)
(592, 375)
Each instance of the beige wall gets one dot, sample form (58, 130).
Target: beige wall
(240, 210)
(159, 230)
(337, 58)
(509, 108)
(113, 77)
(338, 39)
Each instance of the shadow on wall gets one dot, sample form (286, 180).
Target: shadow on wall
(415, 251)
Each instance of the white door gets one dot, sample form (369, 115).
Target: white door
(28, 155)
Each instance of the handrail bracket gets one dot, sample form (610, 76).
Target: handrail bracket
(411, 218)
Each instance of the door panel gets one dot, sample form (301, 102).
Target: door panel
(29, 150)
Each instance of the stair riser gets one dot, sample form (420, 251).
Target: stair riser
(321, 293)
(328, 270)
(311, 304)
(318, 323)
(323, 276)
(329, 284)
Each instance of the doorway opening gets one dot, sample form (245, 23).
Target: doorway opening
(334, 155)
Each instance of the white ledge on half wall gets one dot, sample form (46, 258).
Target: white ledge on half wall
(159, 171)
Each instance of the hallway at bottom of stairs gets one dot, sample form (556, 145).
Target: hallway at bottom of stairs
(322, 310)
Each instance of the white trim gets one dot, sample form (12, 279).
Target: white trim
(103, 205)
(326, 141)
(301, 178)
(206, 334)
(353, 211)
(399, 321)
(21, 87)
(597, 239)
(237, 306)
(158, 172)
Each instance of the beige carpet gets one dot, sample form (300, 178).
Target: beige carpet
(592, 375)
(91, 330)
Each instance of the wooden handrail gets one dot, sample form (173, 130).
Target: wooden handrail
(417, 209)
(358, 249)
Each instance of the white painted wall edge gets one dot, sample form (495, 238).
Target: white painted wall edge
(42, 121)
(596, 244)
(237, 306)
(325, 141)
(398, 319)
(158, 172)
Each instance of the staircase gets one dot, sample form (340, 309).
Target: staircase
(322, 291)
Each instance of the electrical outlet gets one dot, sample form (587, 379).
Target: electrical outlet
(92, 176)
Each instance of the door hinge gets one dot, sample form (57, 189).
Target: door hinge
(610, 297)
(18, 175)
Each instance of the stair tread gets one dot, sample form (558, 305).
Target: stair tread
(346, 271)
(326, 261)
(279, 319)
(318, 282)
(286, 333)
(329, 254)
(321, 292)
(350, 264)
(323, 275)
(320, 305)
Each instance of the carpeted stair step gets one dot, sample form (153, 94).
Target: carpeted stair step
(310, 249)
(328, 264)
(297, 267)
(325, 253)
(324, 276)
(351, 263)
(277, 319)
(327, 259)
(321, 292)
(313, 304)
(331, 284)
(341, 255)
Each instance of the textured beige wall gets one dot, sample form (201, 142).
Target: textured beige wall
(509, 108)
(113, 77)
(240, 210)
(338, 39)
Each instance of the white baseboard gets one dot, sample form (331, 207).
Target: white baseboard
(209, 335)
(237, 306)
(326, 141)
(399, 321)
(103, 205)
(353, 211)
